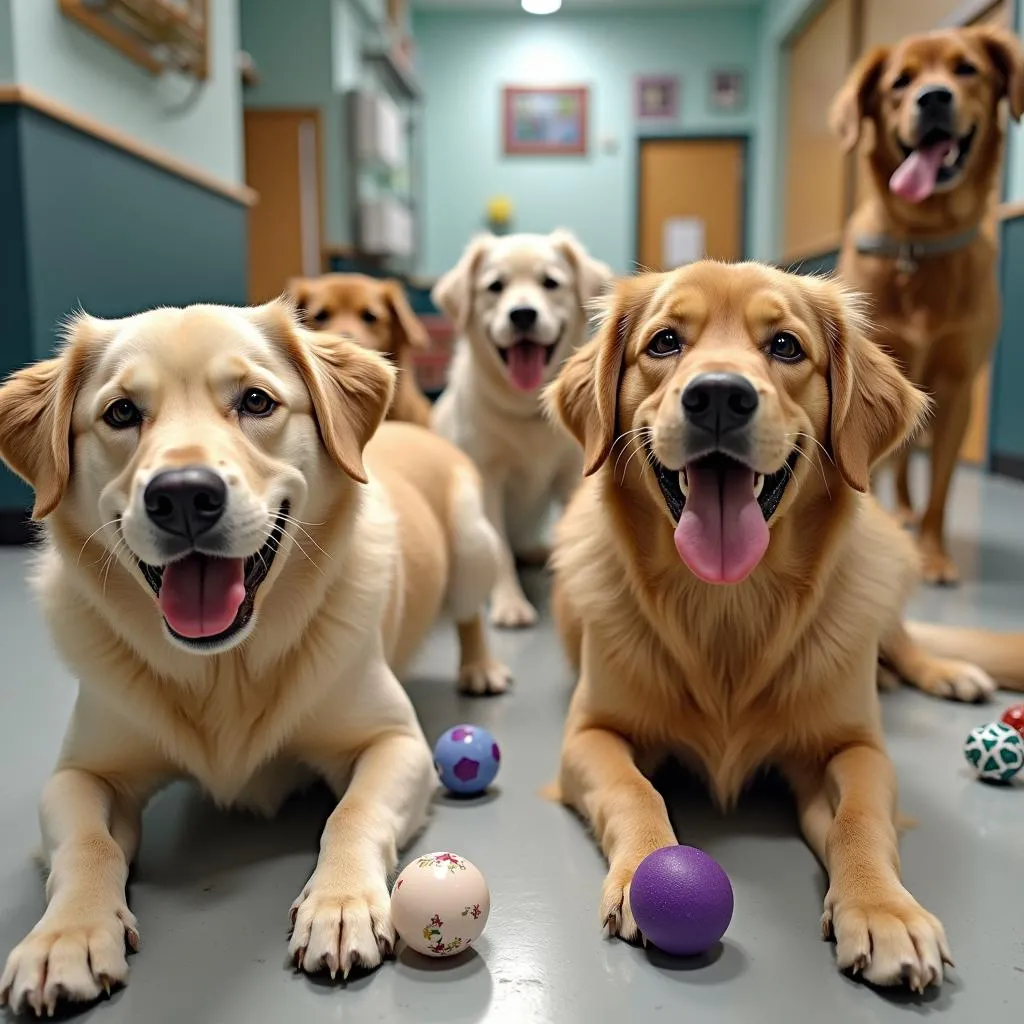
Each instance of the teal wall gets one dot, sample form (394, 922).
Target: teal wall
(1015, 165)
(6, 43)
(465, 59)
(66, 63)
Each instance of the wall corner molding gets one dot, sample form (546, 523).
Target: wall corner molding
(19, 95)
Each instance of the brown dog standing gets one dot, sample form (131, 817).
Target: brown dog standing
(923, 244)
(376, 314)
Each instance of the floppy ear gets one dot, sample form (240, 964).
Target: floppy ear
(855, 100)
(592, 276)
(1007, 56)
(35, 419)
(875, 409)
(453, 293)
(406, 327)
(585, 394)
(351, 387)
(299, 291)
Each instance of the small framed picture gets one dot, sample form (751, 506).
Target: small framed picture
(548, 121)
(728, 91)
(657, 97)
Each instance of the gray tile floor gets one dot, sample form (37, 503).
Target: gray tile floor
(212, 890)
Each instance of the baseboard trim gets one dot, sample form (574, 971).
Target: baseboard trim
(16, 527)
(1008, 465)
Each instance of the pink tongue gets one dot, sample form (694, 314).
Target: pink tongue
(914, 180)
(200, 596)
(526, 365)
(721, 534)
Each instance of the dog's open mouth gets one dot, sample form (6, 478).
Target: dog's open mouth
(206, 599)
(526, 362)
(935, 163)
(721, 508)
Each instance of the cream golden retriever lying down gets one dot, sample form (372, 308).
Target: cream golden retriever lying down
(726, 594)
(234, 599)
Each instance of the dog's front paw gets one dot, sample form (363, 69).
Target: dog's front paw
(481, 678)
(937, 567)
(955, 680)
(512, 611)
(892, 940)
(336, 928)
(616, 915)
(70, 956)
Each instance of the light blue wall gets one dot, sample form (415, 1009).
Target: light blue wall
(6, 43)
(64, 62)
(465, 59)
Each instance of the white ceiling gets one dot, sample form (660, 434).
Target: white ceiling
(580, 5)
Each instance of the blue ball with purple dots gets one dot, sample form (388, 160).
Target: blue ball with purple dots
(467, 758)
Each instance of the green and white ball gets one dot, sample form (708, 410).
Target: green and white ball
(996, 752)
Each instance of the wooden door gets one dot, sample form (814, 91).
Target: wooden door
(696, 180)
(282, 162)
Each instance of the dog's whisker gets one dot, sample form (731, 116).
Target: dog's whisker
(818, 466)
(294, 522)
(85, 544)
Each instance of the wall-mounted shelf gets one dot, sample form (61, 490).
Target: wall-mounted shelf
(401, 76)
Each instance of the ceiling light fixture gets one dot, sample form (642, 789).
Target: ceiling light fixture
(541, 6)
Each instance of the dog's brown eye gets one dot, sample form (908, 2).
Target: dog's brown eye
(965, 69)
(903, 81)
(550, 283)
(368, 316)
(664, 343)
(322, 316)
(785, 347)
(122, 414)
(497, 287)
(256, 402)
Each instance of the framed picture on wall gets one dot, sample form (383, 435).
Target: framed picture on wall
(545, 121)
(657, 97)
(728, 91)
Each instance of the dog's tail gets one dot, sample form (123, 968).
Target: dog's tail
(1001, 655)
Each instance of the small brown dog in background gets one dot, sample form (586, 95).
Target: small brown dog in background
(377, 314)
(923, 244)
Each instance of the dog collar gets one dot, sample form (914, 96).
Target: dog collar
(908, 253)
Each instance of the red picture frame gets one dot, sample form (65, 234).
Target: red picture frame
(546, 120)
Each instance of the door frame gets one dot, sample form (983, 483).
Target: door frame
(743, 138)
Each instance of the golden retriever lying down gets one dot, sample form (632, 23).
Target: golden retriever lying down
(727, 592)
(234, 599)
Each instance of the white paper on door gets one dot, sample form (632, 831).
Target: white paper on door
(682, 241)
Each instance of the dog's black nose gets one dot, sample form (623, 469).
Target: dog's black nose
(523, 317)
(186, 502)
(935, 99)
(719, 402)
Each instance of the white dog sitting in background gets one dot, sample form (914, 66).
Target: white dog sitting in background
(519, 303)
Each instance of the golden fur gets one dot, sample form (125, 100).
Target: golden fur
(941, 319)
(377, 314)
(309, 687)
(780, 669)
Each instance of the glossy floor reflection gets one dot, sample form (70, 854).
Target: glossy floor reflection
(212, 890)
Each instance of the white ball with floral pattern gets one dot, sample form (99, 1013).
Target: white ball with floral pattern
(439, 904)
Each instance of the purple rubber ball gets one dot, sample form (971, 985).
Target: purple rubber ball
(681, 899)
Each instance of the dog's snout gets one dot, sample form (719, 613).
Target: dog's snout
(186, 502)
(719, 402)
(523, 317)
(935, 99)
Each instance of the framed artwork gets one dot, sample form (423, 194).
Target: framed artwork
(728, 91)
(657, 97)
(548, 121)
